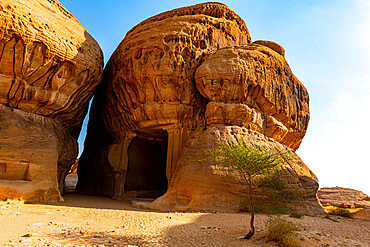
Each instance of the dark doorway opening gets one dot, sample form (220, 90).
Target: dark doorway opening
(146, 170)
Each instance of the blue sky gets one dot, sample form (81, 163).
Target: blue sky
(327, 47)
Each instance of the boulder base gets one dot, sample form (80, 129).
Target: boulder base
(31, 149)
(198, 185)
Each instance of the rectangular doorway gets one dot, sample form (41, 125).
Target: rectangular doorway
(146, 169)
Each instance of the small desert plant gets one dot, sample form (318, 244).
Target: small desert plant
(296, 214)
(264, 205)
(344, 212)
(282, 232)
(277, 194)
(246, 163)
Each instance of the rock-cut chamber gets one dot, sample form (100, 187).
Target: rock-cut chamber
(146, 166)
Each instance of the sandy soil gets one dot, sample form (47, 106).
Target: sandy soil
(95, 221)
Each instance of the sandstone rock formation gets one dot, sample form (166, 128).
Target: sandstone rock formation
(177, 84)
(335, 196)
(253, 86)
(33, 150)
(148, 83)
(151, 73)
(49, 69)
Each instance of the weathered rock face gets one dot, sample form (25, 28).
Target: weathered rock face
(175, 81)
(50, 67)
(149, 82)
(335, 196)
(34, 153)
(253, 86)
(151, 72)
(49, 64)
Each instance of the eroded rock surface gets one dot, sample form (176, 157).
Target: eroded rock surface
(336, 196)
(35, 152)
(49, 67)
(253, 86)
(148, 82)
(151, 72)
(174, 81)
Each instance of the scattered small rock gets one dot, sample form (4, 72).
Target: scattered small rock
(39, 224)
(344, 205)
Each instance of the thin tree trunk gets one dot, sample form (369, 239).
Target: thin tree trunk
(251, 231)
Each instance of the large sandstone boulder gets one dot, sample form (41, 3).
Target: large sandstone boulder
(49, 69)
(151, 73)
(149, 83)
(177, 84)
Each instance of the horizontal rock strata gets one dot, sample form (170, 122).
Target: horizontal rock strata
(151, 72)
(336, 196)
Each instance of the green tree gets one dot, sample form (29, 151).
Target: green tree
(247, 162)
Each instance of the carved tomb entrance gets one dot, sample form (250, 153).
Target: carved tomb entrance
(146, 168)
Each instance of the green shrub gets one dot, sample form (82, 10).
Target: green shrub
(266, 206)
(276, 196)
(277, 189)
(282, 232)
(296, 214)
(344, 212)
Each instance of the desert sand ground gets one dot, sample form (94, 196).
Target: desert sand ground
(96, 221)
